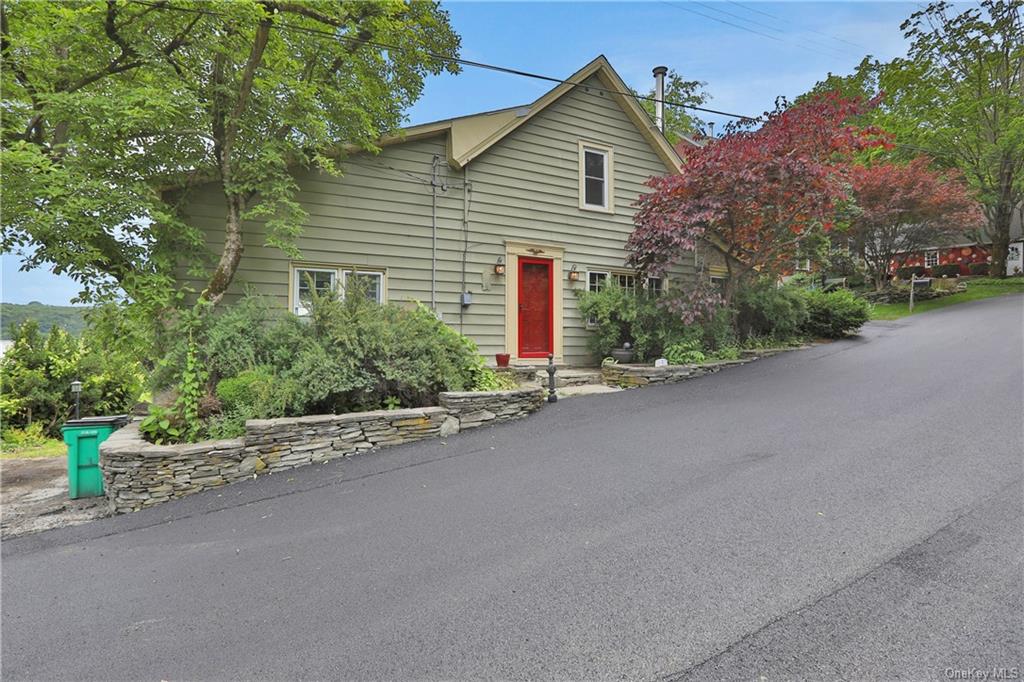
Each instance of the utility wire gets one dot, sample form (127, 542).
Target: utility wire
(460, 61)
(686, 8)
(777, 18)
(840, 51)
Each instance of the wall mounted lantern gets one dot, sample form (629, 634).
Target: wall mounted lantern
(574, 274)
(499, 267)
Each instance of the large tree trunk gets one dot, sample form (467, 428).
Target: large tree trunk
(999, 228)
(231, 255)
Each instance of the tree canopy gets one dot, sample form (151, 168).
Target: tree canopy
(902, 208)
(107, 104)
(958, 96)
(755, 195)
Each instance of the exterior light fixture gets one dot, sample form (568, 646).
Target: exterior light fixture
(574, 274)
(499, 267)
(76, 389)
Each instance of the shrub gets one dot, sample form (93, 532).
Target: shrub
(726, 353)
(718, 332)
(163, 425)
(253, 394)
(763, 309)
(915, 270)
(37, 371)
(620, 316)
(834, 314)
(981, 269)
(685, 353)
(948, 270)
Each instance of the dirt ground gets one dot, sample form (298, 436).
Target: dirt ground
(34, 497)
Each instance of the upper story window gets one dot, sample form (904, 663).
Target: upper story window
(596, 177)
(931, 259)
(325, 279)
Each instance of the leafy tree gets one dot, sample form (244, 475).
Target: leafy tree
(755, 195)
(903, 208)
(38, 369)
(108, 103)
(959, 97)
(679, 120)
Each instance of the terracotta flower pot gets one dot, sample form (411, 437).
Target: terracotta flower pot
(502, 359)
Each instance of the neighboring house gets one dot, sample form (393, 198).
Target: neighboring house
(963, 250)
(495, 219)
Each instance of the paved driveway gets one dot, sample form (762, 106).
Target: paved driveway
(853, 511)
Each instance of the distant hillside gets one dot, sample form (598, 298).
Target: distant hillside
(71, 318)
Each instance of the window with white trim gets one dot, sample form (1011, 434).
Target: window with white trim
(307, 280)
(625, 281)
(655, 286)
(718, 282)
(596, 280)
(370, 283)
(595, 177)
(931, 259)
(325, 279)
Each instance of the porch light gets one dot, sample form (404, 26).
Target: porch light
(499, 267)
(574, 274)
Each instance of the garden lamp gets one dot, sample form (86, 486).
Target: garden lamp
(76, 388)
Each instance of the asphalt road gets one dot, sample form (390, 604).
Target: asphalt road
(850, 511)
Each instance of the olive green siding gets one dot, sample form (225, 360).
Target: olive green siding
(524, 188)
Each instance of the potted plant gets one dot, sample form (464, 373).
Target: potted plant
(623, 354)
(502, 359)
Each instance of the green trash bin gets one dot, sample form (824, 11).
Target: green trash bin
(83, 438)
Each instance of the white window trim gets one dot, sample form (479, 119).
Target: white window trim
(297, 273)
(607, 274)
(377, 273)
(931, 253)
(647, 283)
(590, 321)
(340, 273)
(609, 175)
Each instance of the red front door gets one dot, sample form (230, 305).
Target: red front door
(536, 308)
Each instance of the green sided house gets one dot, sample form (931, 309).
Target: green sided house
(493, 219)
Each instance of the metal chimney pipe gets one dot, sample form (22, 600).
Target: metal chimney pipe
(659, 96)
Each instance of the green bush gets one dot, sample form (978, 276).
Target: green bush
(948, 270)
(350, 355)
(37, 371)
(763, 309)
(619, 316)
(915, 270)
(981, 269)
(685, 353)
(834, 314)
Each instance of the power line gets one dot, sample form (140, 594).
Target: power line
(686, 8)
(839, 51)
(777, 18)
(460, 61)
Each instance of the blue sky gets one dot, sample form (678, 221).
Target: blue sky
(748, 53)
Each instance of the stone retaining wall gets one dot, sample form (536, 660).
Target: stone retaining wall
(137, 474)
(632, 376)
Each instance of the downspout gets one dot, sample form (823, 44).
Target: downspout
(433, 233)
(466, 189)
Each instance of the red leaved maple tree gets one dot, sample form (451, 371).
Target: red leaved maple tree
(902, 208)
(754, 194)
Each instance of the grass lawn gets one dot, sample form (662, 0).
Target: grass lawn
(51, 448)
(976, 289)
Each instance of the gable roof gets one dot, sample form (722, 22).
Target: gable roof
(470, 136)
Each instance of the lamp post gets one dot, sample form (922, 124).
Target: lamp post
(76, 389)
